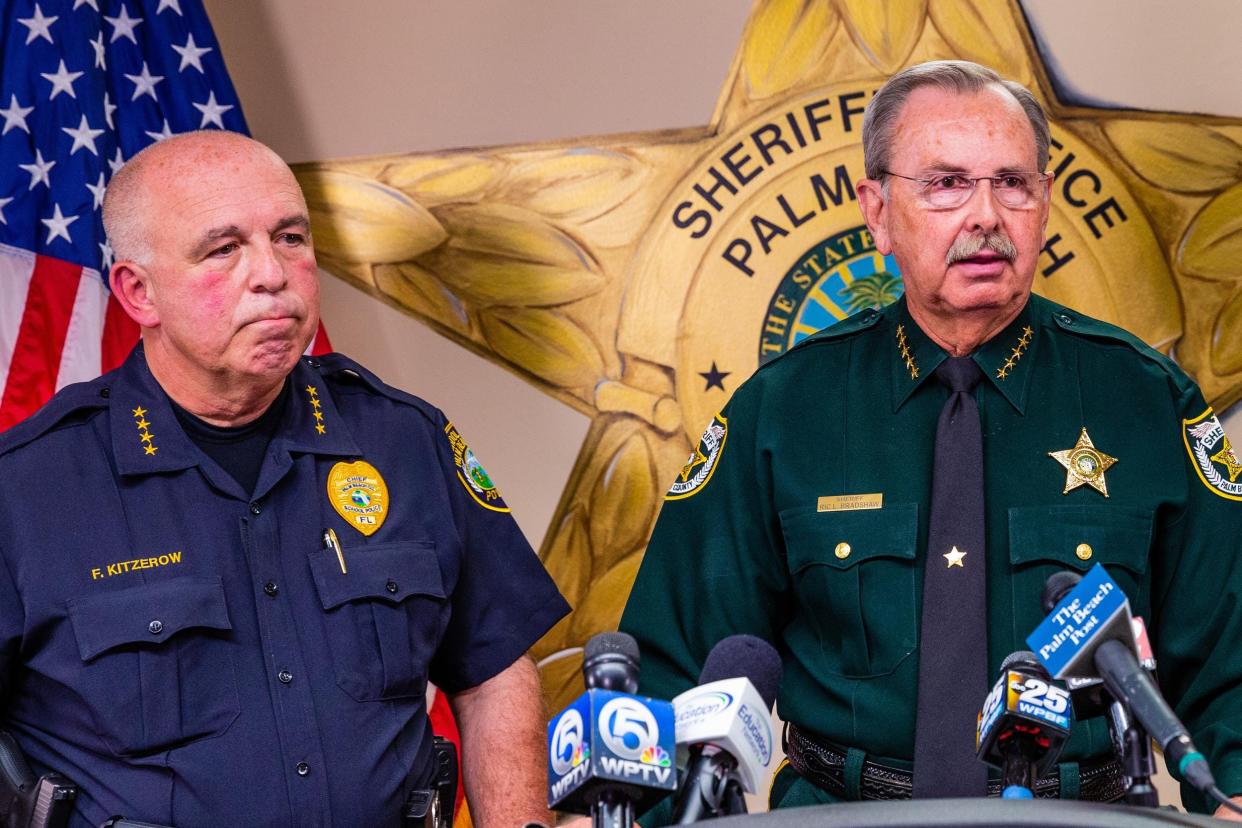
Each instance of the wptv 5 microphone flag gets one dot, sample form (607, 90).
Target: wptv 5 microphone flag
(84, 85)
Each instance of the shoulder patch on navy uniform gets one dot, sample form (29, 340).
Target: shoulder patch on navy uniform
(697, 471)
(73, 402)
(472, 474)
(1213, 458)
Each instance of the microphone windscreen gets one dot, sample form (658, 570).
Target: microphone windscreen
(611, 643)
(1024, 660)
(745, 656)
(1057, 587)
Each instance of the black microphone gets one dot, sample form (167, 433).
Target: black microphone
(1112, 652)
(610, 661)
(725, 725)
(1023, 725)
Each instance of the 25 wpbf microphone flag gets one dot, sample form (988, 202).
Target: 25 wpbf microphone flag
(84, 85)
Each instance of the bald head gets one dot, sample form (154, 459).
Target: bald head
(133, 197)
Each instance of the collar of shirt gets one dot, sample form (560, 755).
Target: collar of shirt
(1006, 358)
(147, 439)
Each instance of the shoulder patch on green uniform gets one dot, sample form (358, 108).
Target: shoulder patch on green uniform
(472, 474)
(697, 471)
(1213, 458)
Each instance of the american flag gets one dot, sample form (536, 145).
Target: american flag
(84, 85)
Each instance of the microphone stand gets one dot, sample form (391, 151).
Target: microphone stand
(1137, 763)
(613, 810)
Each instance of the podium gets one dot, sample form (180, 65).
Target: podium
(969, 813)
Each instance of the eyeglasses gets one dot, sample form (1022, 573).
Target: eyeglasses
(948, 191)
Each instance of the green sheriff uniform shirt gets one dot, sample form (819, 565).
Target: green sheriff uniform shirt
(743, 546)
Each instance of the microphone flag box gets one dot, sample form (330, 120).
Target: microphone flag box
(731, 715)
(1094, 611)
(610, 741)
(1023, 702)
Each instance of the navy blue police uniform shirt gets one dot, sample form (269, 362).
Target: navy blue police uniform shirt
(190, 653)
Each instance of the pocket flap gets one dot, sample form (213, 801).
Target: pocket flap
(148, 613)
(388, 571)
(843, 539)
(1080, 536)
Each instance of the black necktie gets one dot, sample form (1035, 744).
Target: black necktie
(953, 633)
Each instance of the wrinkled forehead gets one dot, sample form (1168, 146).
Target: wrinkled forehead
(954, 130)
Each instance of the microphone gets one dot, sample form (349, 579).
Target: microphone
(724, 728)
(1088, 634)
(609, 752)
(1023, 725)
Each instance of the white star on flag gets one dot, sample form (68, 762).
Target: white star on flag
(109, 108)
(92, 3)
(191, 54)
(117, 162)
(39, 170)
(175, 5)
(144, 83)
(38, 25)
(62, 81)
(58, 226)
(105, 252)
(97, 190)
(3, 201)
(15, 116)
(83, 137)
(166, 132)
(123, 26)
(212, 111)
(97, 44)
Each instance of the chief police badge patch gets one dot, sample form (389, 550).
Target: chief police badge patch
(702, 461)
(359, 494)
(472, 474)
(1212, 456)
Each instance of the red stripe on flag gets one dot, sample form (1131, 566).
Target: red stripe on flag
(321, 345)
(40, 340)
(120, 334)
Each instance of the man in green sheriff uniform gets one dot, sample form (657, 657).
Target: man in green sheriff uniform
(802, 517)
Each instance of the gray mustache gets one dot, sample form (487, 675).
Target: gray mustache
(997, 242)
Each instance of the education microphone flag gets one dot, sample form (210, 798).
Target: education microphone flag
(84, 85)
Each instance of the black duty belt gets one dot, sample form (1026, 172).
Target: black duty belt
(836, 770)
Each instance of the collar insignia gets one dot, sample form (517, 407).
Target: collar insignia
(358, 493)
(1084, 465)
(903, 346)
(145, 437)
(312, 394)
(1016, 353)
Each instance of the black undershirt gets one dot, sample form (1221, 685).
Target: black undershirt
(236, 449)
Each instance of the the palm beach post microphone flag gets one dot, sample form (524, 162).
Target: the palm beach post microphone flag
(84, 85)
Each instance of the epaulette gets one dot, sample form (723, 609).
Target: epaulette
(1079, 324)
(336, 367)
(862, 321)
(72, 404)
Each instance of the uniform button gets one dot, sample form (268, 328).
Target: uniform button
(103, 392)
(843, 550)
(285, 676)
(391, 586)
(1067, 319)
(303, 769)
(1084, 551)
(270, 588)
(255, 508)
(155, 627)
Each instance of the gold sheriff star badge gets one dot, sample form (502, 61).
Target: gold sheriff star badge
(1084, 465)
(611, 272)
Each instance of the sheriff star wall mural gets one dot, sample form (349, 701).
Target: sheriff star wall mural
(641, 278)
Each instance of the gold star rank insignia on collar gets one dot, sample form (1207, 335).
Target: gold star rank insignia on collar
(954, 556)
(145, 437)
(903, 348)
(312, 394)
(1084, 465)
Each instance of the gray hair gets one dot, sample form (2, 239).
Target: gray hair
(959, 76)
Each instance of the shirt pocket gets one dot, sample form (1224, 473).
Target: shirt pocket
(157, 668)
(1048, 539)
(383, 616)
(854, 574)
